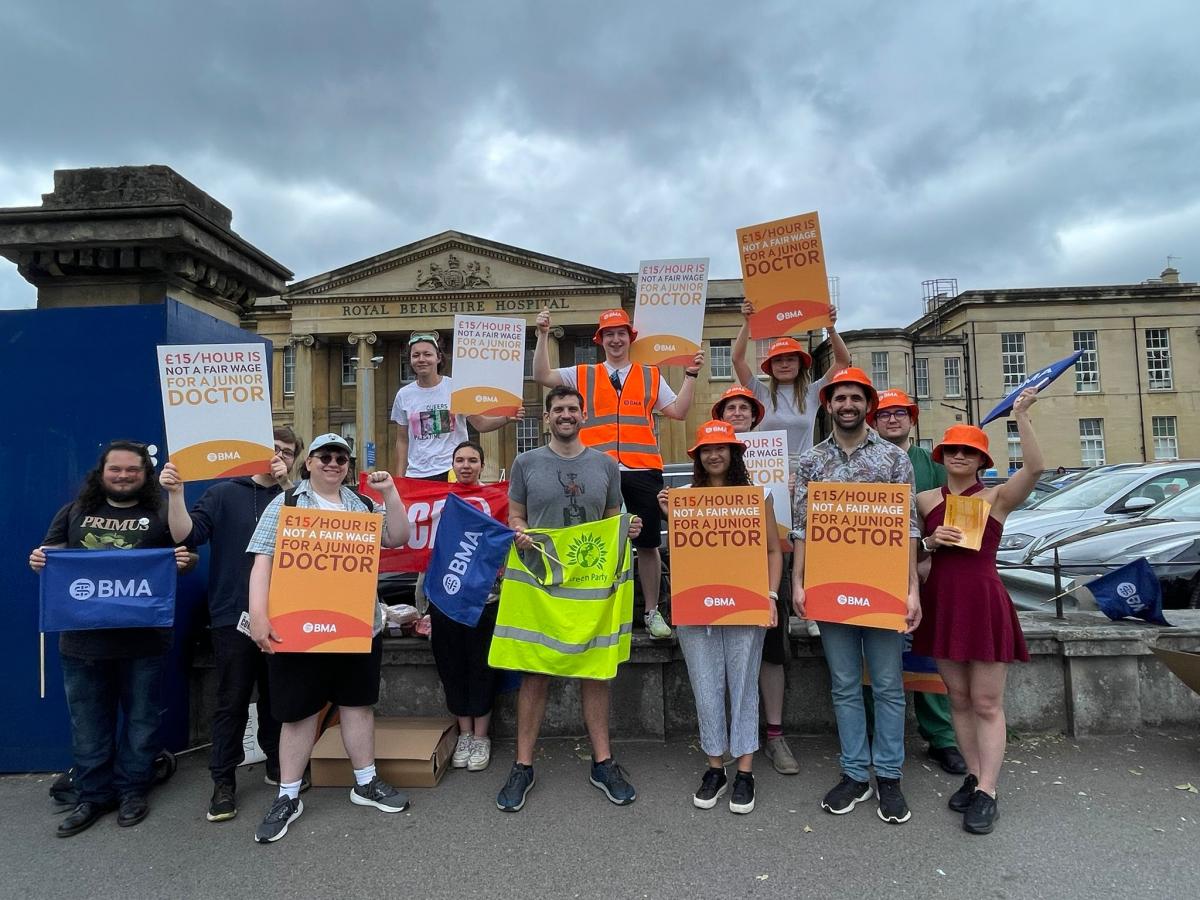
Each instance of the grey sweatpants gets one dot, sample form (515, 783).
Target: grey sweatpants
(721, 657)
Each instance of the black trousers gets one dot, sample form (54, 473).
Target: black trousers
(461, 654)
(241, 667)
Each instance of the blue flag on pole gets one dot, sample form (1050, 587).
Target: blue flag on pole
(1132, 590)
(1037, 381)
(87, 589)
(468, 552)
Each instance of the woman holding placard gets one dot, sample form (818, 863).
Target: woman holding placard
(724, 659)
(969, 624)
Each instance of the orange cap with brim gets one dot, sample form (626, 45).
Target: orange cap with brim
(851, 375)
(890, 398)
(782, 347)
(614, 318)
(963, 436)
(738, 391)
(714, 432)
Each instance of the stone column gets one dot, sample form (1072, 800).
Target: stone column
(364, 415)
(302, 398)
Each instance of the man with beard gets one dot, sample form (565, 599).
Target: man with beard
(113, 671)
(856, 453)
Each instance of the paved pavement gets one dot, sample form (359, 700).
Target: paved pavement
(1087, 818)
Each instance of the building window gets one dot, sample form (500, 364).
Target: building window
(761, 346)
(529, 433)
(922, 377)
(879, 370)
(1012, 358)
(349, 375)
(530, 344)
(1158, 359)
(1166, 437)
(350, 433)
(1091, 442)
(1015, 460)
(953, 371)
(583, 351)
(289, 369)
(926, 444)
(720, 361)
(1087, 370)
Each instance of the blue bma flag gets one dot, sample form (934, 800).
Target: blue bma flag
(87, 589)
(468, 552)
(1037, 381)
(1132, 590)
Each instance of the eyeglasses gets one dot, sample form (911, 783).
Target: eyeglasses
(898, 413)
(326, 458)
(285, 452)
(431, 336)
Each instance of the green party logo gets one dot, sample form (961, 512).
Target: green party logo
(587, 551)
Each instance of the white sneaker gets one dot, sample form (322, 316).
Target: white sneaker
(462, 751)
(657, 625)
(481, 754)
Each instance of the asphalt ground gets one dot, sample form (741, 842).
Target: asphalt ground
(1079, 818)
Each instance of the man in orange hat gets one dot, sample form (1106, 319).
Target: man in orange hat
(621, 399)
(894, 417)
(856, 453)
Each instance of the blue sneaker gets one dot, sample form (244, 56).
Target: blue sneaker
(512, 796)
(610, 778)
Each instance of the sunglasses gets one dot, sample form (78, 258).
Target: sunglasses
(959, 450)
(431, 336)
(892, 414)
(326, 458)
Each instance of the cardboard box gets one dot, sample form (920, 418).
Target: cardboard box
(410, 751)
(1184, 664)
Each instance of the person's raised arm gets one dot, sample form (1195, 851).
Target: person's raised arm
(841, 356)
(542, 373)
(678, 408)
(484, 424)
(395, 532)
(1013, 492)
(178, 518)
(741, 368)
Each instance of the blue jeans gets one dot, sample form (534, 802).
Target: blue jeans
(846, 646)
(112, 763)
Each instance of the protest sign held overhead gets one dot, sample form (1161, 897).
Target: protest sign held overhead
(217, 409)
(1037, 381)
(766, 459)
(669, 311)
(783, 271)
(489, 365)
(86, 589)
(856, 553)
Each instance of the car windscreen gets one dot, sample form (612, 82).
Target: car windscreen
(1088, 493)
(1184, 506)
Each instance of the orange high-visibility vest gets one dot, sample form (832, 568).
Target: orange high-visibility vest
(621, 426)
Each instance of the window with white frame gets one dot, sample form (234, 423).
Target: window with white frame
(879, 369)
(1158, 359)
(530, 344)
(926, 444)
(1091, 442)
(1015, 459)
(921, 376)
(1087, 369)
(529, 433)
(349, 375)
(1012, 358)
(350, 433)
(761, 346)
(1166, 437)
(952, 368)
(720, 359)
(289, 369)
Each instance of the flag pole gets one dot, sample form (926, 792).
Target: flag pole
(42, 664)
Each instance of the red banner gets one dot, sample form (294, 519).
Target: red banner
(424, 501)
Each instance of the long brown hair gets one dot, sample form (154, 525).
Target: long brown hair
(799, 388)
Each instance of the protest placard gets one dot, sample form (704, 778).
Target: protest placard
(323, 580)
(783, 273)
(969, 515)
(489, 365)
(217, 409)
(718, 539)
(668, 313)
(856, 554)
(766, 459)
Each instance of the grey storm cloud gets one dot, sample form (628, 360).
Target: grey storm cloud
(1005, 143)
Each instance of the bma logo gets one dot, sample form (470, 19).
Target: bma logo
(789, 314)
(223, 455)
(452, 583)
(719, 601)
(661, 348)
(847, 600)
(86, 588)
(82, 588)
(452, 580)
(1128, 592)
(486, 398)
(319, 627)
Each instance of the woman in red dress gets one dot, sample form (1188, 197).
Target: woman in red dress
(969, 625)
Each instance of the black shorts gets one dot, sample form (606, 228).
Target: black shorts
(777, 641)
(640, 488)
(302, 683)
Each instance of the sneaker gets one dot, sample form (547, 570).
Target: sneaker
(846, 795)
(892, 806)
(481, 754)
(712, 786)
(961, 799)
(981, 815)
(283, 812)
(610, 778)
(780, 755)
(520, 782)
(379, 794)
(462, 751)
(272, 778)
(223, 805)
(742, 799)
(657, 625)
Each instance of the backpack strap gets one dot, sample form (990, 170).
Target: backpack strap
(289, 498)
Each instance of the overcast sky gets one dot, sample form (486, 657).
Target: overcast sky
(1007, 144)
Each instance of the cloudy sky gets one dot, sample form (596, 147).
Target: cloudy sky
(1006, 144)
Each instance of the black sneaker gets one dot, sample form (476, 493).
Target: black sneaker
(712, 786)
(283, 812)
(892, 806)
(961, 799)
(520, 782)
(223, 805)
(613, 780)
(981, 815)
(742, 798)
(846, 795)
(379, 794)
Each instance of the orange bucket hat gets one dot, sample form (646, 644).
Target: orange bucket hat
(738, 391)
(782, 347)
(614, 318)
(714, 432)
(851, 375)
(889, 399)
(963, 436)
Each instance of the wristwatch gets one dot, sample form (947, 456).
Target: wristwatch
(926, 547)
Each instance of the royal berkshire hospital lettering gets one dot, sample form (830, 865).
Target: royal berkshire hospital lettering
(444, 307)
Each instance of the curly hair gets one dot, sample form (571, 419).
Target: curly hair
(736, 476)
(92, 494)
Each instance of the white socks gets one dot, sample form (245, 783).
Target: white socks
(290, 789)
(364, 775)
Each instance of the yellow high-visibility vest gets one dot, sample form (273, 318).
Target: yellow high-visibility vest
(567, 611)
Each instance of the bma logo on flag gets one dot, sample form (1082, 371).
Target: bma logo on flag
(86, 588)
(1128, 592)
(461, 561)
(82, 588)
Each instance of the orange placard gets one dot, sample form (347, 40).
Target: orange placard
(969, 515)
(323, 580)
(783, 274)
(718, 539)
(856, 554)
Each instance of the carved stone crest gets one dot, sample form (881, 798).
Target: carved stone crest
(454, 276)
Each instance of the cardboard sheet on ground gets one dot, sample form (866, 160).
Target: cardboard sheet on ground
(783, 270)
(216, 409)
(668, 313)
(1184, 664)
(969, 515)
(766, 461)
(489, 365)
(718, 539)
(324, 579)
(856, 553)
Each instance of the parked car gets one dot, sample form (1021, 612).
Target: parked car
(1074, 475)
(1041, 489)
